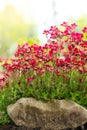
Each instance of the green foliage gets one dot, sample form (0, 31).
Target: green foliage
(33, 40)
(30, 41)
(46, 88)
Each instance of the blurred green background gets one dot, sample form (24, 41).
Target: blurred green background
(14, 29)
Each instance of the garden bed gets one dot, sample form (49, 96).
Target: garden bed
(56, 70)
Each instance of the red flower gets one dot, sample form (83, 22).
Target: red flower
(84, 30)
(30, 79)
(57, 73)
(65, 50)
(19, 83)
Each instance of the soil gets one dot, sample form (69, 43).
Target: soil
(14, 127)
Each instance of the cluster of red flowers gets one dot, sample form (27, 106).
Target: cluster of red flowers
(65, 49)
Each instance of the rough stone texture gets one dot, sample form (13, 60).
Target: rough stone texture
(54, 115)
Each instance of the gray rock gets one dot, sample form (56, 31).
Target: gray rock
(54, 115)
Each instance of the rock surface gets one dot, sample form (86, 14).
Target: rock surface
(54, 115)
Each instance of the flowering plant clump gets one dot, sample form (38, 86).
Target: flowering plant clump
(56, 70)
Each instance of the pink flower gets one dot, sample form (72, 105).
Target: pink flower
(46, 32)
(84, 30)
(64, 24)
(64, 50)
(30, 79)
(57, 73)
